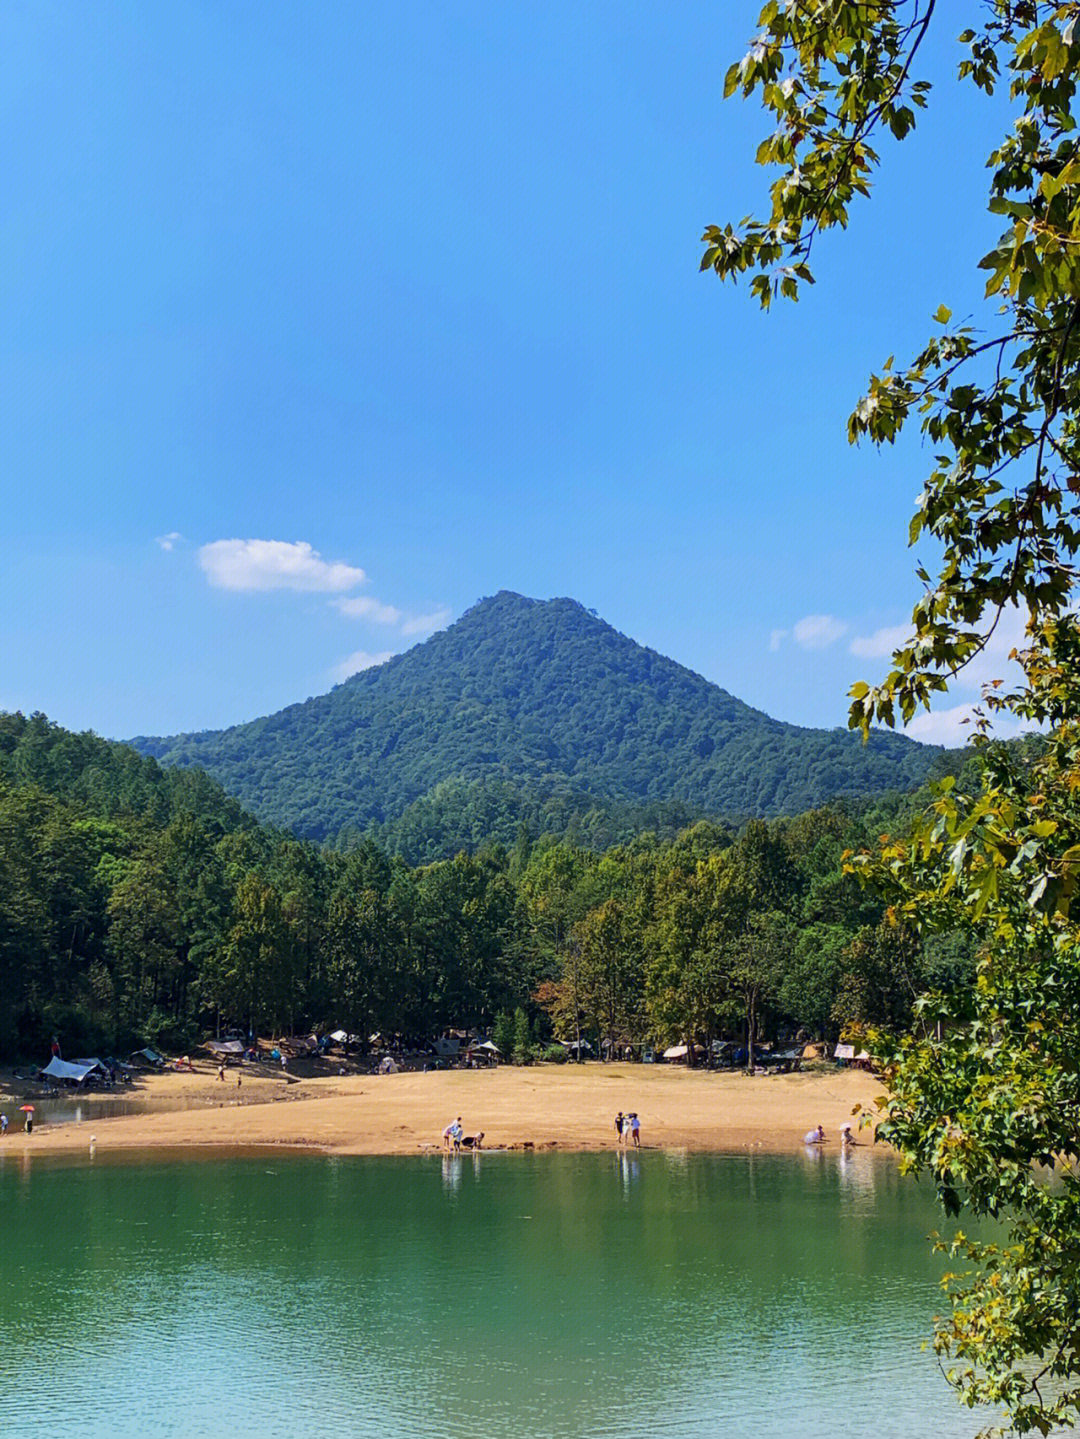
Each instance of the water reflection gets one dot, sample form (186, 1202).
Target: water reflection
(452, 1169)
(687, 1305)
(858, 1171)
(629, 1170)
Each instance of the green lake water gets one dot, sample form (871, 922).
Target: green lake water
(503, 1295)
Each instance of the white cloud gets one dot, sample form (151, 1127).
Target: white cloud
(817, 632)
(170, 541)
(777, 638)
(947, 726)
(274, 565)
(360, 660)
(992, 662)
(426, 624)
(955, 726)
(364, 607)
(881, 643)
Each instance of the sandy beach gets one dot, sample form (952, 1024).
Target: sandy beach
(569, 1108)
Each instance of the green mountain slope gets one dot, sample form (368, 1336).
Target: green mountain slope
(549, 698)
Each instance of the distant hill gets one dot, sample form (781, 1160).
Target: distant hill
(539, 699)
(98, 777)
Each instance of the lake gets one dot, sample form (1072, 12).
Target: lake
(503, 1295)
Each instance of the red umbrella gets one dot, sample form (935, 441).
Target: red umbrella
(29, 1108)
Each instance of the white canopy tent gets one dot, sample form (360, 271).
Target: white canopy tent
(74, 1072)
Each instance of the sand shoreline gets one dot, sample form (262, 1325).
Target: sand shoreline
(543, 1108)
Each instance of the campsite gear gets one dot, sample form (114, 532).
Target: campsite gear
(27, 1108)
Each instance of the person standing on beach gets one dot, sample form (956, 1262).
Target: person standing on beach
(447, 1135)
(635, 1130)
(29, 1121)
(457, 1133)
(3, 1125)
(619, 1127)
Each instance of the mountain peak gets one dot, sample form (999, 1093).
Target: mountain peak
(542, 695)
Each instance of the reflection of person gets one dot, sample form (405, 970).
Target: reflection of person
(815, 1136)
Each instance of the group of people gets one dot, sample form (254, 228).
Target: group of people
(454, 1138)
(817, 1136)
(628, 1129)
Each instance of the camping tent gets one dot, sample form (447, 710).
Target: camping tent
(300, 1044)
(576, 1046)
(149, 1056)
(224, 1048)
(72, 1072)
(679, 1051)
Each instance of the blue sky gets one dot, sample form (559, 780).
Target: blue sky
(323, 322)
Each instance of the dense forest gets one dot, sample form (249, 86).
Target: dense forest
(141, 904)
(553, 718)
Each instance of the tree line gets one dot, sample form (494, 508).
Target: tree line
(142, 905)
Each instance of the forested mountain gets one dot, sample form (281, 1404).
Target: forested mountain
(548, 702)
(140, 905)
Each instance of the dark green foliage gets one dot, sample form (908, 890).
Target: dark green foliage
(502, 1035)
(534, 712)
(522, 1037)
(141, 905)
